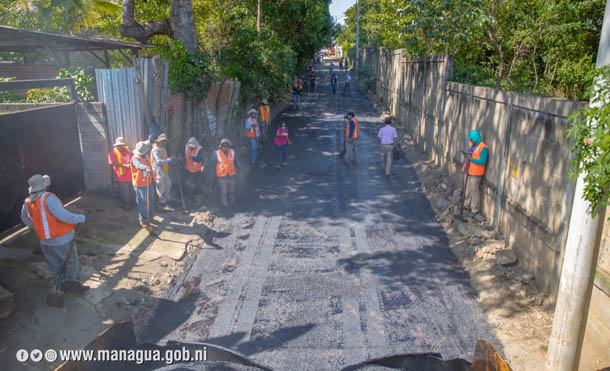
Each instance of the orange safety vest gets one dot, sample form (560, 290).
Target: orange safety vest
(253, 131)
(138, 177)
(119, 159)
(299, 85)
(190, 165)
(45, 224)
(476, 169)
(265, 112)
(163, 157)
(356, 129)
(225, 164)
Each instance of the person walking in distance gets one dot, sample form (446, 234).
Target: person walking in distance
(281, 142)
(348, 81)
(333, 82)
(352, 132)
(45, 213)
(160, 163)
(142, 179)
(297, 89)
(474, 168)
(388, 138)
(227, 164)
(311, 74)
(332, 70)
(341, 64)
(253, 133)
(265, 116)
(193, 165)
(120, 160)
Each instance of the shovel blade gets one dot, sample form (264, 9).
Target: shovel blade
(55, 298)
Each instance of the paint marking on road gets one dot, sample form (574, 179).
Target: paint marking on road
(375, 327)
(223, 323)
(256, 280)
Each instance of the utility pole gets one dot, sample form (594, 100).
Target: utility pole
(357, 33)
(258, 19)
(579, 262)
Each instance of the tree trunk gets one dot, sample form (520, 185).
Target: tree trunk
(492, 37)
(183, 24)
(129, 27)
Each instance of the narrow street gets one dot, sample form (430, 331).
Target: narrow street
(325, 264)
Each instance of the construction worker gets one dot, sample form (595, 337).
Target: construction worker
(227, 163)
(194, 164)
(347, 83)
(388, 137)
(253, 133)
(297, 89)
(265, 116)
(281, 142)
(160, 163)
(142, 179)
(120, 160)
(352, 132)
(474, 169)
(311, 75)
(45, 213)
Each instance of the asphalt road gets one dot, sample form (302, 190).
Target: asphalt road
(325, 264)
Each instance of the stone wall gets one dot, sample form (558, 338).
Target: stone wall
(526, 191)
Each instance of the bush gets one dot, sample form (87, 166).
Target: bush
(7, 96)
(188, 74)
(367, 78)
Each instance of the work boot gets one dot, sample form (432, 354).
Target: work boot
(75, 288)
(143, 225)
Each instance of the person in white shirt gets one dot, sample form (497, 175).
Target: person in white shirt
(388, 138)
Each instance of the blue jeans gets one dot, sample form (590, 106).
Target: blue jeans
(296, 98)
(141, 201)
(334, 88)
(56, 255)
(252, 150)
(280, 154)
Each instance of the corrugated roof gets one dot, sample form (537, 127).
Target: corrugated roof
(20, 40)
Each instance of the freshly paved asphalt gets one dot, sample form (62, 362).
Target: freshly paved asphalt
(325, 264)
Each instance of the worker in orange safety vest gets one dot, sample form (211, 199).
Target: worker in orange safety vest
(227, 164)
(142, 179)
(474, 169)
(193, 165)
(45, 213)
(265, 116)
(120, 160)
(253, 133)
(352, 132)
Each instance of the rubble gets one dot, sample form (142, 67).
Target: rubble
(506, 257)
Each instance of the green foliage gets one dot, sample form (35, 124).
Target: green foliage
(7, 96)
(590, 131)
(367, 78)
(188, 73)
(58, 94)
(533, 46)
(264, 69)
(82, 81)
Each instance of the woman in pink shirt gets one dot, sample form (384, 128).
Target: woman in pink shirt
(281, 142)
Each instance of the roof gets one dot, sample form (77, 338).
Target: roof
(19, 40)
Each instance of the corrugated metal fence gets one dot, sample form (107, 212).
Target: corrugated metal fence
(119, 91)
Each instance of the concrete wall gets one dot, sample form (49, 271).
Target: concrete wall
(526, 191)
(93, 139)
(92, 129)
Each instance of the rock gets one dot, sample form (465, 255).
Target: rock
(527, 277)
(42, 270)
(7, 303)
(441, 203)
(505, 257)
(539, 300)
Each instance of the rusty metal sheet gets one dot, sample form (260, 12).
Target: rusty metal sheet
(39, 141)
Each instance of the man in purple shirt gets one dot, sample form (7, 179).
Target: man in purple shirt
(388, 137)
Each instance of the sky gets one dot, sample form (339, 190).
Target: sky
(338, 7)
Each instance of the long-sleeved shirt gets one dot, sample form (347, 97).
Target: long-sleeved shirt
(138, 164)
(56, 208)
(157, 155)
(483, 159)
(352, 127)
(213, 159)
(249, 126)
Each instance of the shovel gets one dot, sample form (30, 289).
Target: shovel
(342, 154)
(55, 297)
